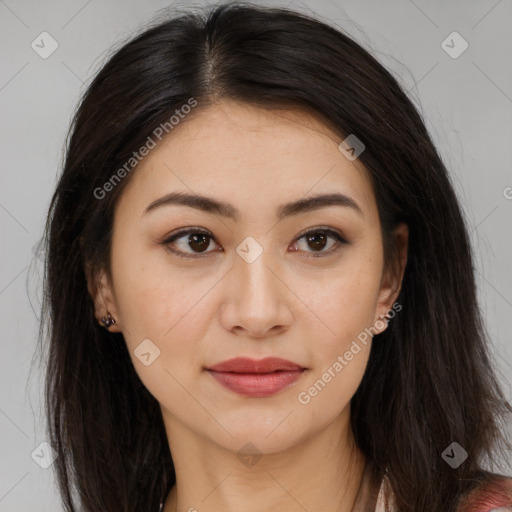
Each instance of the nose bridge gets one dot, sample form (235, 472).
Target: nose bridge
(256, 300)
(253, 266)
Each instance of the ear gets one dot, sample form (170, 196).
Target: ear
(392, 277)
(100, 289)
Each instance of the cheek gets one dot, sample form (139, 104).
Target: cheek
(165, 310)
(169, 305)
(338, 362)
(345, 303)
(158, 304)
(345, 298)
(152, 297)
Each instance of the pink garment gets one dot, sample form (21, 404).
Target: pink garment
(494, 496)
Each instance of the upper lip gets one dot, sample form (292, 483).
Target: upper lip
(247, 365)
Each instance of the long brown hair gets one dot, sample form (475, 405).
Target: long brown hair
(429, 381)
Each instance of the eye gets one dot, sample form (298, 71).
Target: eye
(199, 241)
(317, 239)
(193, 238)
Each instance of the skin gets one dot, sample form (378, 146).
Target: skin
(201, 311)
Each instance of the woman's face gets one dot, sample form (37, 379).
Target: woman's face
(245, 281)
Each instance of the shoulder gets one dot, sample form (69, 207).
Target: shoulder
(494, 495)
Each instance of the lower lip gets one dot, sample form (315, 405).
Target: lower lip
(257, 384)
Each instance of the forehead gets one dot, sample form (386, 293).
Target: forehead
(258, 156)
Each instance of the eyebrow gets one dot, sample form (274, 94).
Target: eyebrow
(216, 207)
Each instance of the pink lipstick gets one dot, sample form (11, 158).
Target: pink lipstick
(256, 378)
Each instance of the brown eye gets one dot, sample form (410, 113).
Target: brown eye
(189, 242)
(317, 240)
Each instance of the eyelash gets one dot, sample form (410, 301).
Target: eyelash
(198, 231)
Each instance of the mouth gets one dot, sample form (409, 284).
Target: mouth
(256, 378)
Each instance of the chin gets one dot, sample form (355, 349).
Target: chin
(257, 444)
(269, 432)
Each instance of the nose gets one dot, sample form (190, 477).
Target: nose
(256, 299)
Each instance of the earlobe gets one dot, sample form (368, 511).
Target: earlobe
(100, 290)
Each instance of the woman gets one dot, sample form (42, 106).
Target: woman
(260, 288)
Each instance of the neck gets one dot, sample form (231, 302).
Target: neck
(322, 473)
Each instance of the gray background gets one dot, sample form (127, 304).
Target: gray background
(466, 102)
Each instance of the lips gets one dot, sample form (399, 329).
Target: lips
(256, 378)
(246, 365)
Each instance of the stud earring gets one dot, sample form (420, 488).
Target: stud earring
(108, 320)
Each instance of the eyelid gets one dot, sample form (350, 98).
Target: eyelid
(324, 229)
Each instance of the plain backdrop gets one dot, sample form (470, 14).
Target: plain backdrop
(465, 99)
